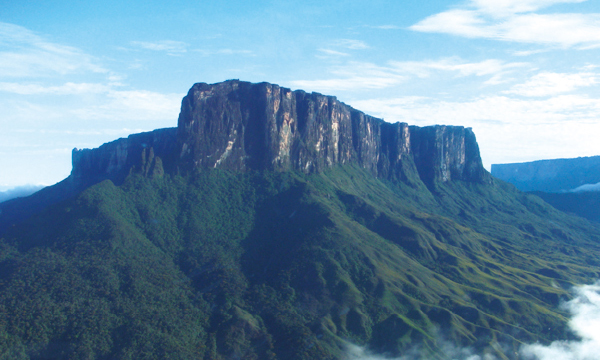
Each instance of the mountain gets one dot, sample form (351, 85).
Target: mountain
(19, 191)
(277, 224)
(569, 185)
(550, 176)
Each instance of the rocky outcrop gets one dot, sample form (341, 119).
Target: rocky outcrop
(148, 153)
(240, 126)
(550, 175)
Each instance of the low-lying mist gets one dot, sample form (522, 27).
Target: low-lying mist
(19, 191)
(585, 324)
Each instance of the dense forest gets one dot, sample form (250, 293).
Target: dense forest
(285, 265)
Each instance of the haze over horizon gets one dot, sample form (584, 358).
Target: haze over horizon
(522, 74)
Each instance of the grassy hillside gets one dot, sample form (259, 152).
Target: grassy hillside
(264, 265)
(585, 204)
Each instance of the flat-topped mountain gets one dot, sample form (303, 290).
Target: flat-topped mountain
(242, 126)
(569, 185)
(553, 176)
(277, 224)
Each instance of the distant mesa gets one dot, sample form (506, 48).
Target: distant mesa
(570, 185)
(554, 176)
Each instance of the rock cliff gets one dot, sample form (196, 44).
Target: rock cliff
(148, 153)
(242, 126)
(239, 126)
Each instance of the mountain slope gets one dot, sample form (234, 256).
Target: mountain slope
(284, 265)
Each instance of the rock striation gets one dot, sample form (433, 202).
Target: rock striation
(242, 126)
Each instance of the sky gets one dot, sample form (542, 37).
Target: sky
(524, 74)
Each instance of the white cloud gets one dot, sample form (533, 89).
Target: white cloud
(585, 323)
(353, 76)
(140, 105)
(386, 27)
(503, 7)
(587, 187)
(547, 84)
(26, 54)
(206, 52)
(333, 52)
(359, 75)
(352, 44)
(169, 46)
(462, 68)
(65, 89)
(516, 21)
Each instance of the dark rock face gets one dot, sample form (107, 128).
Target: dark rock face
(239, 126)
(144, 152)
(550, 175)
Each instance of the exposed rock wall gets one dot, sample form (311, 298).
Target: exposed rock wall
(144, 152)
(239, 125)
(242, 126)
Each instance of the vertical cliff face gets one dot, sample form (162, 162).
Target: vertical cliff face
(239, 126)
(443, 153)
(148, 153)
(242, 126)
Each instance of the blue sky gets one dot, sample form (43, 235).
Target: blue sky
(524, 74)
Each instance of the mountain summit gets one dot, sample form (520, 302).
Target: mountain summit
(236, 125)
(277, 224)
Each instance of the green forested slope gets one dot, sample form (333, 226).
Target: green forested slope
(267, 265)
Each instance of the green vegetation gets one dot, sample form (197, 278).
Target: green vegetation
(282, 265)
